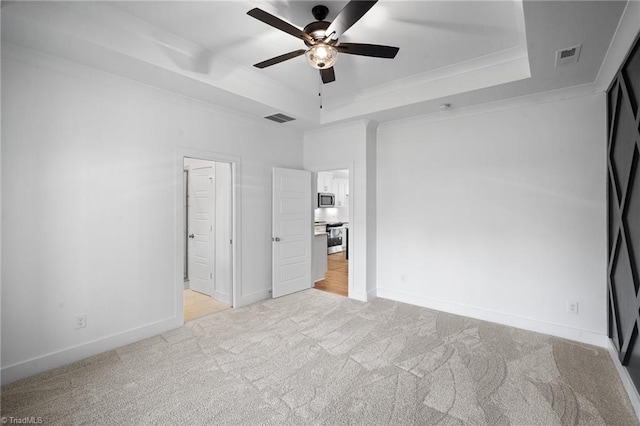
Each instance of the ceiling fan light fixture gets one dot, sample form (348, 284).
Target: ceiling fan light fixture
(322, 56)
(321, 37)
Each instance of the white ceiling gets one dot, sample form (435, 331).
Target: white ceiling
(430, 35)
(458, 52)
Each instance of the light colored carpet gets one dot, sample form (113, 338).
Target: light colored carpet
(317, 358)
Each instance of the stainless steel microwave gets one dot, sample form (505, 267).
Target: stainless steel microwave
(326, 200)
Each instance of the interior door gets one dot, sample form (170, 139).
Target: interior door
(292, 229)
(200, 233)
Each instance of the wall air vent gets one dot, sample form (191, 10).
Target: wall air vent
(570, 55)
(279, 118)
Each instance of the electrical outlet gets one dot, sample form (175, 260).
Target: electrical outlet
(81, 321)
(572, 307)
(403, 278)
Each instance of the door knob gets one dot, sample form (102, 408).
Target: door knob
(191, 236)
(276, 239)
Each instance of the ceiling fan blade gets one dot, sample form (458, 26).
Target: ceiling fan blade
(374, 50)
(328, 75)
(278, 23)
(279, 59)
(349, 15)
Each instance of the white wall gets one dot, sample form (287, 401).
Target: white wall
(90, 212)
(344, 146)
(499, 215)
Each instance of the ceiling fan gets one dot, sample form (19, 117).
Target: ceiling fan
(321, 37)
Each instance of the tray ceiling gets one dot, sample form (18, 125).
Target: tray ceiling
(459, 52)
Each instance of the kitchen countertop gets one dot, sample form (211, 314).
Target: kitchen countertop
(344, 225)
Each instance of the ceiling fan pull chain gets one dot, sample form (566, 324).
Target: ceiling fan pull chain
(320, 90)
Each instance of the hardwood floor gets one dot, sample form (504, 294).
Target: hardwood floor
(197, 305)
(337, 279)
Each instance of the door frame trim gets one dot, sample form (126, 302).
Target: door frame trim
(178, 243)
(329, 167)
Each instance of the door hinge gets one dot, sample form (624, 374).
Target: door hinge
(211, 228)
(230, 241)
(210, 274)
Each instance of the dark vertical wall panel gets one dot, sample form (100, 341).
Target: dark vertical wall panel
(623, 199)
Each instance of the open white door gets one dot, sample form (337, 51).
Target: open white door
(292, 228)
(201, 230)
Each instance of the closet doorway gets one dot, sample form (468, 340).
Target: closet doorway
(208, 283)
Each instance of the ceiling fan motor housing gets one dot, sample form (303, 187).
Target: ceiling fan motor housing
(317, 31)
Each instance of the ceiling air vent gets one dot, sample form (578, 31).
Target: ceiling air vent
(570, 55)
(279, 118)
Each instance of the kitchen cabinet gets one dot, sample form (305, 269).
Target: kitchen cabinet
(325, 182)
(341, 189)
(338, 186)
(319, 257)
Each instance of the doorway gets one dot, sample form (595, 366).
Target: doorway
(207, 265)
(335, 220)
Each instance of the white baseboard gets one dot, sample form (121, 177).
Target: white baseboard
(248, 299)
(625, 378)
(564, 332)
(36, 365)
(372, 294)
(358, 295)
